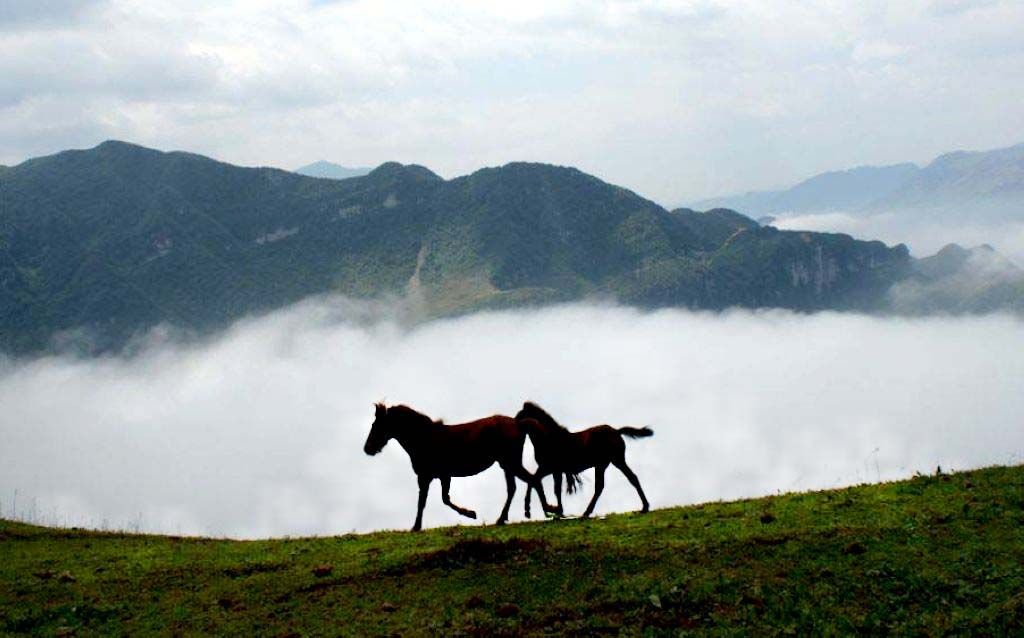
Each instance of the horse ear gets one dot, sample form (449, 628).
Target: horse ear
(380, 409)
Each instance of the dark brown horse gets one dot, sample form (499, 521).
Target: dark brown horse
(559, 451)
(440, 451)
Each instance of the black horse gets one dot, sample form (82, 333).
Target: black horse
(559, 451)
(440, 451)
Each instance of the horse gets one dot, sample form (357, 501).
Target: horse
(440, 451)
(559, 451)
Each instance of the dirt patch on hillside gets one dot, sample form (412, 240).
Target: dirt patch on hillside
(473, 551)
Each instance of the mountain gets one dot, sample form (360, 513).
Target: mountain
(958, 279)
(989, 184)
(110, 241)
(329, 170)
(835, 190)
(984, 185)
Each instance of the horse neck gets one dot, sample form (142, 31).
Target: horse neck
(551, 427)
(415, 433)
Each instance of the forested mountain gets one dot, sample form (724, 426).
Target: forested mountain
(958, 279)
(115, 239)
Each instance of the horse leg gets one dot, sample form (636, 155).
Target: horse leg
(598, 488)
(540, 474)
(424, 482)
(446, 483)
(526, 502)
(510, 485)
(533, 480)
(558, 489)
(621, 464)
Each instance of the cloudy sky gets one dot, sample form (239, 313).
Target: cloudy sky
(676, 100)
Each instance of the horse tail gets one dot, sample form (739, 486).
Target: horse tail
(636, 433)
(572, 482)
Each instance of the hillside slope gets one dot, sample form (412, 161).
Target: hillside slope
(110, 241)
(928, 556)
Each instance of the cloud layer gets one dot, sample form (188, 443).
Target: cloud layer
(922, 233)
(675, 99)
(259, 432)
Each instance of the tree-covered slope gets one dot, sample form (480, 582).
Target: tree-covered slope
(936, 555)
(112, 240)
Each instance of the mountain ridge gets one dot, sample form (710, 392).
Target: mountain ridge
(119, 238)
(991, 180)
(832, 190)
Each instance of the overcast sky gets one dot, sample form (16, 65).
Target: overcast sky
(676, 100)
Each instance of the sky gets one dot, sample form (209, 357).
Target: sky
(259, 431)
(675, 100)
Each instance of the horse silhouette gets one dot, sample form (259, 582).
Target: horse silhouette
(440, 451)
(559, 451)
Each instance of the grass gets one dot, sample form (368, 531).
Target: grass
(929, 556)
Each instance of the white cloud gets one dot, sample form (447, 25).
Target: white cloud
(260, 431)
(923, 232)
(673, 99)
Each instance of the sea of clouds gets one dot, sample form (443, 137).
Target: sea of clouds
(259, 431)
(923, 234)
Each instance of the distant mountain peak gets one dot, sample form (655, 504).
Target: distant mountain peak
(113, 144)
(953, 258)
(330, 170)
(846, 189)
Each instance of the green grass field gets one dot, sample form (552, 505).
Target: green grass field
(928, 556)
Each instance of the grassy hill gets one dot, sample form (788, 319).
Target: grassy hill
(932, 555)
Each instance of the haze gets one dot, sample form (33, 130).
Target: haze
(259, 432)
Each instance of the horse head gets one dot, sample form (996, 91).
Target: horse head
(533, 411)
(380, 432)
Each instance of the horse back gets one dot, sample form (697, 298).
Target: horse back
(596, 445)
(601, 435)
(464, 449)
(504, 426)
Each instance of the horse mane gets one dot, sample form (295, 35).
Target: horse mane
(538, 413)
(404, 411)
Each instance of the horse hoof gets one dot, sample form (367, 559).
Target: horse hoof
(527, 514)
(471, 514)
(500, 521)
